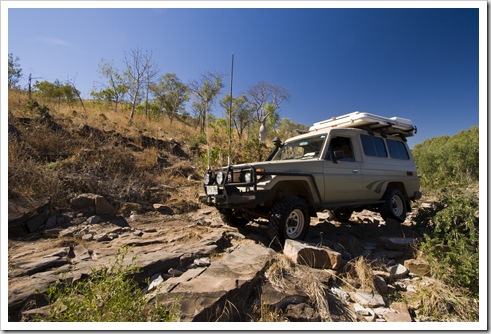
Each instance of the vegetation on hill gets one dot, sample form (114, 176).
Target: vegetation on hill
(449, 161)
(449, 170)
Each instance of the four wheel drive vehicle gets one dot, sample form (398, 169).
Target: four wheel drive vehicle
(345, 164)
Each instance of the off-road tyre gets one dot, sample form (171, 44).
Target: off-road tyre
(395, 207)
(233, 217)
(342, 215)
(289, 219)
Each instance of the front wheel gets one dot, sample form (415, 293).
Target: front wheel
(290, 219)
(395, 205)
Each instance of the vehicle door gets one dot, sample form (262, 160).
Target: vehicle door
(343, 180)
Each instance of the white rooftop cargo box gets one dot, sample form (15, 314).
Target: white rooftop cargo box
(389, 126)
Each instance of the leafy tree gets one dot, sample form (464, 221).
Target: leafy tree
(56, 91)
(14, 72)
(140, 69)
(242, 112)
(287, 128)
(205, 90)
(116, 88)
(170, 94)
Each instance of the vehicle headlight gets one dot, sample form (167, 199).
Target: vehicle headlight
(219, 177)
(247, 177)
(207, 178)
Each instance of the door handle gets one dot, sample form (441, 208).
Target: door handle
(355, 171)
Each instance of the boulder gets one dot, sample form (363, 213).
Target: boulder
(400, 244)
(301, 312)
(400, 314)
(365, 312)
(84, 203)
(103, 207)
(280, 299)
(398, 271)
(35, 223)
(312, 256)
(92, 204)
(380, 284)
(51, 222)
(24, 212)
(164, 209)
(418, 267)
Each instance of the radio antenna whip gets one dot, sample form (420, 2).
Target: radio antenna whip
(230, 114)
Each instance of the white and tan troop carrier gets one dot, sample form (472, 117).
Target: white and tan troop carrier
(344, 164)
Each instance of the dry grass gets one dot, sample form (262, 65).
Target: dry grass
(361, 271)
(285, 275)
(436, 301)
(85, 149)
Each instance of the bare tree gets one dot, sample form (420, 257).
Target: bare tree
(264, 93)
(140, 68)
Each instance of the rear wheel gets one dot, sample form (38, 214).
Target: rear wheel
(233, 217)
(290, 219)
(395, 205)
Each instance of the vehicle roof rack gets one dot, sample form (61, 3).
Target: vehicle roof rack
(393, 126)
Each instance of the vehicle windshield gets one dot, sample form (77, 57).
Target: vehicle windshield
(306, 148)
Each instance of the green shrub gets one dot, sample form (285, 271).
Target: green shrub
(452, 243)
(448, 161)
(107, 295)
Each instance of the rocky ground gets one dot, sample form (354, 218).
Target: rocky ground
(216, 272)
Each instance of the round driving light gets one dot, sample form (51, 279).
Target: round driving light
(219, 177)
(207, 178)
(247, 177)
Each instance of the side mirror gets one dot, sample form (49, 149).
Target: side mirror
(338, 154)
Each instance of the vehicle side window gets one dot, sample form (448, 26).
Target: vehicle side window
(373, 146)
(397, 149)
(341, 144)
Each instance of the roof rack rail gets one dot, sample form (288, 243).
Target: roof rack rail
(394, 126)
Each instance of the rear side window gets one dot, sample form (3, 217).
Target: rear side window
(397, 149)
(373, 146)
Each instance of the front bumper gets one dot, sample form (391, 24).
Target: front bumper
(234, 190)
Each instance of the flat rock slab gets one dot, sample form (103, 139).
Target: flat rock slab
(221, 290)
(368, 299)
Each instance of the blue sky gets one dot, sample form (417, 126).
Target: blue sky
(416, 63)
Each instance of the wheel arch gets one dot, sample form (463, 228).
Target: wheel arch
(299, 188)
(399, 186)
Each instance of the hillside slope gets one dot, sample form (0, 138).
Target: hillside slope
(57, 153)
